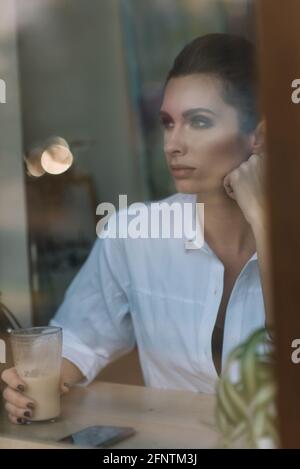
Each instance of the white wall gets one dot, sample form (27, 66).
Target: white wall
(14, 275)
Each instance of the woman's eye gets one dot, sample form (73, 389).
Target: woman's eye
(166, 123)
(200, 122)
(197, 122)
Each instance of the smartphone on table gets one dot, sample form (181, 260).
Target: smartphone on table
(99, 436)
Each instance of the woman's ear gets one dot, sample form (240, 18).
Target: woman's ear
(258, 138)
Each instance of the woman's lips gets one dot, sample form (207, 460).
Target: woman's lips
(181, 172)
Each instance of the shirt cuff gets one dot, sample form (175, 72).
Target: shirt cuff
(269, 334)
(81, 355)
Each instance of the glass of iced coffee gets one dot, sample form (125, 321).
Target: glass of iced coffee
(37, 354)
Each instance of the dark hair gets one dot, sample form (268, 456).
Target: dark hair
(230, 58)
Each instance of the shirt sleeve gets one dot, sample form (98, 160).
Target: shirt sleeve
(269, 334)
(95, 317)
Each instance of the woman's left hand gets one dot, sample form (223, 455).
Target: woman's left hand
(246, 185)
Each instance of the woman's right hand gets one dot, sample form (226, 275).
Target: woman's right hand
(19, 406)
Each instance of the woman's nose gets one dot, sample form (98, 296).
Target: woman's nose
(174, 143)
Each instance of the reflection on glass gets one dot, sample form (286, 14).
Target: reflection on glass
(53, 157)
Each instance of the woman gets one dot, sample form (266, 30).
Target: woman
(185, 309)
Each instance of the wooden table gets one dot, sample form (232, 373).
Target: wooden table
(162, 418)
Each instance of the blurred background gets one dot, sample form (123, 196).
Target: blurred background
(90, 72)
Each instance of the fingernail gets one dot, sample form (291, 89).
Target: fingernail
(21, 388)
(27, 414)
(30, 405)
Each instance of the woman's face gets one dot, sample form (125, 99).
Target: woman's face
(202, 139)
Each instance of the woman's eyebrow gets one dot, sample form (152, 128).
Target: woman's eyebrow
(163, 113)
(191, 112)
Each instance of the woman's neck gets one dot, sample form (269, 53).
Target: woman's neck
(225, 227)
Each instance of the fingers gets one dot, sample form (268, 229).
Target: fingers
(228, 187)
(17, 399)
(64, 388)
(12, 379)
(17, 420)
(19, 406)
(257, 164)
(17, 412)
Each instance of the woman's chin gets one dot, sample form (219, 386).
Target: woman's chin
(186, 186)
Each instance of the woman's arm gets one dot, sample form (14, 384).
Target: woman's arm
(248, 185)
(70, 374)
(262, 246)
(95, 317)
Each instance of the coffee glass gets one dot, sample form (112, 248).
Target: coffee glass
(37, 355)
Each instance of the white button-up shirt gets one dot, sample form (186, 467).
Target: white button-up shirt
(162, 296)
